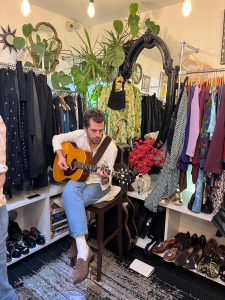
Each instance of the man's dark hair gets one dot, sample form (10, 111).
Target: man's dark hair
(95, 114)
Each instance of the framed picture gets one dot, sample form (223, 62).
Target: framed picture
(162, 85)
(222, 60)
(137, 73)
(145, 84)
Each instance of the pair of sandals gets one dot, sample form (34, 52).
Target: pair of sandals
(176, 199)
(209, 266)
(210, 261)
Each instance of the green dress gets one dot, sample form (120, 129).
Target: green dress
(125, 124)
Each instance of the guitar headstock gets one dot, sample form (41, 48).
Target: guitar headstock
(123, 178)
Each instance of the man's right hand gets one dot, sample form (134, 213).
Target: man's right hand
(61, 161)
(62, 164)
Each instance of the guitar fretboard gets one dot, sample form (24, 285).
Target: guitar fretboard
(89, 168)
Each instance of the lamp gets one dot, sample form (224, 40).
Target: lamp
(186, 8)
(25, 8)
(91, 9)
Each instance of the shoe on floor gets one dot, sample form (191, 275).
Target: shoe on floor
(81, 268)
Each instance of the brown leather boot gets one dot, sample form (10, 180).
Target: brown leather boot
(81, 268)
(73, 253)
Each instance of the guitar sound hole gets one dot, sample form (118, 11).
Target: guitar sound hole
(73, 164)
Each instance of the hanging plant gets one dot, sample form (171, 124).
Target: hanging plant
(113, 42)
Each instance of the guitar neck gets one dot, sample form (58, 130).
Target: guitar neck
(89, 168)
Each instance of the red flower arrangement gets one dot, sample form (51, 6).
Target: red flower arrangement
(144, 156)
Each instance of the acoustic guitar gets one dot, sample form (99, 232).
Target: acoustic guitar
(79, 163)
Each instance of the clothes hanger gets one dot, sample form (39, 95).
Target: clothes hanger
(65, 106)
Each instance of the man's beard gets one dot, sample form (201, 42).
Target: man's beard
(96, 141)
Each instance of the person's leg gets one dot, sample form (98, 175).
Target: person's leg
(90, 195)
(74, 207)
(6, 291)
(76, 196)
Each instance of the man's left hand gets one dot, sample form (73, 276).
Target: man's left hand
(102, 173)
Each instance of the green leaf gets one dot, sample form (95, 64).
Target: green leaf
(38, 48)
(64, 79)
(147, 23)
(27, 29)
(134, 29)
(156, 29)
(115, 56)
(28, 64)
(19, 42)
(150, 24)
(55, 80)
(133, 20)
(133, 8)
(118, 25)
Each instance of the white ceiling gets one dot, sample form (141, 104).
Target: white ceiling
(106, 10)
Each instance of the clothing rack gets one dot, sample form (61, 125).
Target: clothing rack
(204, 71)
(4, 65)
(183, 44)
(63, 91)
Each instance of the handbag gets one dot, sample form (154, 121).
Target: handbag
(117, 99)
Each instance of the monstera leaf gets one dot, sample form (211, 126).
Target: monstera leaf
(115, 56)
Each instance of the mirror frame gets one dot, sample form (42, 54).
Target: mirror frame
(132, 49)
(59, 48)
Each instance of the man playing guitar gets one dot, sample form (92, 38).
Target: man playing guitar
(78, 195)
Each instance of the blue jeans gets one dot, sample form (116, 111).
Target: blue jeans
(76, 196)
(6, 291)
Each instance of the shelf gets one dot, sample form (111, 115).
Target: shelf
(59, 236)
(21, 198)
(32, 250)
(186, 195)
(217, 280)
(38, 247)
(135, 194)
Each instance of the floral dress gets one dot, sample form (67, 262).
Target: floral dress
(124, 124)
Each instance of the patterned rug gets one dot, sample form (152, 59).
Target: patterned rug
(54, 282)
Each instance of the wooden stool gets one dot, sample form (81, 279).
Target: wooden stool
(99, 209)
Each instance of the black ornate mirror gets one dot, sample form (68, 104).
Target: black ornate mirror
(133, 49)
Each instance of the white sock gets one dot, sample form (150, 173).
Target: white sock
(82, 247)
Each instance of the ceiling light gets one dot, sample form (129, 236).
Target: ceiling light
(91, 9)
(186, 8)
(25, 8)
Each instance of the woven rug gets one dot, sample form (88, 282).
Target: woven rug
(54, 281)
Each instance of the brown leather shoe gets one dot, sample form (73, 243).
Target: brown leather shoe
(81, 268)
(163, 246)
(73, 253)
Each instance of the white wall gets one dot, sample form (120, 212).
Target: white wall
(10, 15)
(202, 29)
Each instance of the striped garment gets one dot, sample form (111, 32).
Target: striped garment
(168, 180)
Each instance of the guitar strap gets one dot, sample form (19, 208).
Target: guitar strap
(101, 150)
